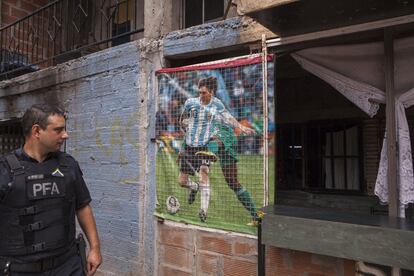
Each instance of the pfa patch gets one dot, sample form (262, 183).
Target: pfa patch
(45, 189)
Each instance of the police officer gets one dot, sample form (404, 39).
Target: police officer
(41, 192)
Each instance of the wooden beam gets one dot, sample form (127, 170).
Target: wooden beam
(249, 6)
(392, 177)
(373, 25)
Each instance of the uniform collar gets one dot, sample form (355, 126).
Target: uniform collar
(22, 155)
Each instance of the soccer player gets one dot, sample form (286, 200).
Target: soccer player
(198, 121)
(225, 141)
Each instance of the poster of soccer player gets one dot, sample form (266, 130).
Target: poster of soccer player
(209, 130)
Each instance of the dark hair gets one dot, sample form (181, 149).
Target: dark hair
(210, 83)
(39, 114)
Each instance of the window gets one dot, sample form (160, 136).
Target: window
(123, 12)
(198, 12)
(341, 158)
(11, 136)
(320, 156)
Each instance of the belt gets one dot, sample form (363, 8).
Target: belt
(38, 266)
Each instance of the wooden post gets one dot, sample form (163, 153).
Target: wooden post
(265, 124)
(392, 176)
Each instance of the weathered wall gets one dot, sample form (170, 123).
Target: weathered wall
(104, 129)
(189, 250)
(106, 96)
(216, 37)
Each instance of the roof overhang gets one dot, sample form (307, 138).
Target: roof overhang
(249, 6)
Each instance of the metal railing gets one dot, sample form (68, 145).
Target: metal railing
(64, 30)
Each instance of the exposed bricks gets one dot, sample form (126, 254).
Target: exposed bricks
(279, 271)
(28, 6)
(248, 248)
(175, 237)
(7, 19)
(13, 10)
(215, 243)
(18, 12)
(178, 257)
(209, 264)
(349, 267)
(289, 262)
(323, 260)
(300, 259)
(170, 271)
(5, 8)
(202, 252)
(274, 259)
(15, 3)
(239, 267)
(41, 2)
(210, 252)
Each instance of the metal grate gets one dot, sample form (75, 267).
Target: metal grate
(11, 136)
(66, 29)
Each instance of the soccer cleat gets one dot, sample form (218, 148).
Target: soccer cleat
(192, 195)
(207, 155)
(202, 215)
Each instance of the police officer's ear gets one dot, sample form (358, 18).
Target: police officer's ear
(35, 131)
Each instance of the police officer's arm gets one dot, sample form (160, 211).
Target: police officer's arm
(88, 225)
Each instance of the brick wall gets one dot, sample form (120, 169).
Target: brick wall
(12, 10)
(190, 250)
(27, 41)
(289, 262)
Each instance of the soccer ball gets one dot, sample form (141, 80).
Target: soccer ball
(173, 205)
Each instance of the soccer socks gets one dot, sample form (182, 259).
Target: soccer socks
(205, 196)
(204, 187)
(192, 185)
(246, 199)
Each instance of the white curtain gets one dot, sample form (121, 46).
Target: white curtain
(357, 72)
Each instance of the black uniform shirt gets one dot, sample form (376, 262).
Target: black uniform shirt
(81, 192)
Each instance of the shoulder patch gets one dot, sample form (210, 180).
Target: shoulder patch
(57, 173)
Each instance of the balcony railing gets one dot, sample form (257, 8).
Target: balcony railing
(67, 29)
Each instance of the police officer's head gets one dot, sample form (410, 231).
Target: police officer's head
(45, 125)
(206, 88)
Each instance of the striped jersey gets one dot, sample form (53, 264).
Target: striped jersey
(201, 118)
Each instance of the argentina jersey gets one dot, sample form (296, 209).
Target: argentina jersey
(201, 118)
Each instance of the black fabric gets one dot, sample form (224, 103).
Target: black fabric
(13, 163)
(189, 162)
(47, 230)
(42, 202)
(51, 265)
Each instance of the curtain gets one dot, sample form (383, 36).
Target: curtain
(357, 72)
(352, 166)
